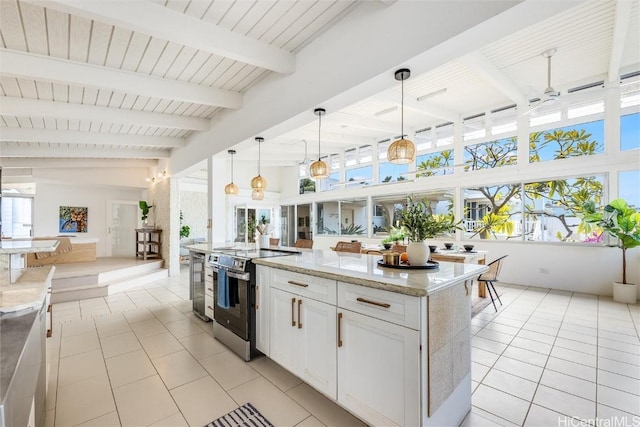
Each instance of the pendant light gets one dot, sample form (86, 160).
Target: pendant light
(231, 188)
(319, 169)
(304, 164)
(257, 194)
(402, 150)
(258, 182)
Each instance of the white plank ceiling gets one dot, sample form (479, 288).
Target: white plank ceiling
(78, 81)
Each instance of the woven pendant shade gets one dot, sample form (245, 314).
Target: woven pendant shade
(403, 150)
(257, 194)
(319, 169)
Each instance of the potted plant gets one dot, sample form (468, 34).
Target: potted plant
(622, 222)
(420, 225)
(263, 229)
(145, 208)
(185, 230)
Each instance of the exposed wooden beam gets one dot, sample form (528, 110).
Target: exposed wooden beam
(88, 138)
(618, 41)
(20, 150)
(37, 163)
(23, 107)
(367, 123)
(39, 67)
(422, 107)
(491, 74)
(327, 137)
(164, 23)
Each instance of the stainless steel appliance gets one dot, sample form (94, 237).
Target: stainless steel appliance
(196, 284)
(235, 318)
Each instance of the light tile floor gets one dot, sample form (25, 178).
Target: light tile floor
(141, 358)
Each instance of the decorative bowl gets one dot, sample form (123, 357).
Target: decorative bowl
(468, 248)
(448, 245)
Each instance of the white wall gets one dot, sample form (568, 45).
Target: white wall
(194, 213)
(49, 198)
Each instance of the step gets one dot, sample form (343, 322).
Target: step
(121, 273)
(103, 289)
(73, 282)
(126, 283)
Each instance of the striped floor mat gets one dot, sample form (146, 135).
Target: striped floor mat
(245, 415)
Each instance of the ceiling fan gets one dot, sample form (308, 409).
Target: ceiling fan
(550, 95)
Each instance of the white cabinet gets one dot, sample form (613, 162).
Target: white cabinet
(378, 370)
(208, 293)
(262, 309)
(303, 338)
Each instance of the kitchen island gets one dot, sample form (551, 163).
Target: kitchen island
(24, 310)
(392, 346)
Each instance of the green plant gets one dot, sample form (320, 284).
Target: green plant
(185, 230)
(396, 235)
(421, 224)
(144, 207)
(261, 226)
(619, 220)
(495, 222)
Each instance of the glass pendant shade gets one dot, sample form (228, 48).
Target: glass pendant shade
(403, 150)
(231, 188)
(319, 169)
(257, 194)
(258, 182)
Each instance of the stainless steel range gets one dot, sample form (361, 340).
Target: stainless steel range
(234, 290)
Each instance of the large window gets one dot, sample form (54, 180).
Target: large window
(584, 139)
(630, 131)
(389, 172)
(17, 216)
(347, 217)
(386, 209)
(629, 187)
(356, 174)
(492, 154)
(440, 163)
(542, 211)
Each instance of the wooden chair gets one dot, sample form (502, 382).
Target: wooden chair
(274, 241)
(492, 276)
(399, 248)
(304, 243)
(353, 247)
(373, 252)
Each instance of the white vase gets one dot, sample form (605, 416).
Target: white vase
(264, 241)
(625, 293)
(418, 253)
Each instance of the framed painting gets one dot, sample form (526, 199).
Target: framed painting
(73, 219)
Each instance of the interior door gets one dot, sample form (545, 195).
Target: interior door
(122, 220)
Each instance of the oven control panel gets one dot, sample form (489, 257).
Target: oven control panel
(229, 262)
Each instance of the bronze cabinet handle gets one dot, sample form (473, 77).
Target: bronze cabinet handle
(293, 306)
(379, 304)
(293, 282)
(210, 289)
(257, 297)
(209, 307)
(50, 330)
(339, 329)
(299, 322)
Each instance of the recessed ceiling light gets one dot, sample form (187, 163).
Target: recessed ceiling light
(386, 111)
(431, 94)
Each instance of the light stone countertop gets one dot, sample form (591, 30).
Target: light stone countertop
(27, 291)
(27, 246)
(364, 270)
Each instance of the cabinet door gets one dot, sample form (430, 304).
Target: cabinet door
(283, 329)
(379, 370)
(317, 345)
(262, 309)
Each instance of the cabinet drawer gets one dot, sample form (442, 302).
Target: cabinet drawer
(317, 288)
(391, 307)
(208, 306)
(208, 276)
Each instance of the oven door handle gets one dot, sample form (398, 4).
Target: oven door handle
(233, 275)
